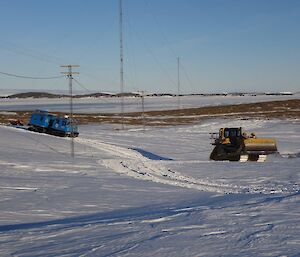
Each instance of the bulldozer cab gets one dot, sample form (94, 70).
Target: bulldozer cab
(230, 136)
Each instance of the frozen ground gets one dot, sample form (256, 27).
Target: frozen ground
(132, 104)
(148, 193)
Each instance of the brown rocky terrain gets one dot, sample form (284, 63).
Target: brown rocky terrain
(288, 109)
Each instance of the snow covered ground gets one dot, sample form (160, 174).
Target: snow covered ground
(148, 193)
(132, 104)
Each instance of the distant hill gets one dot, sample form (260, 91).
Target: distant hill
(34, 95)
(96, 95)
(50, 95)
(128, 94)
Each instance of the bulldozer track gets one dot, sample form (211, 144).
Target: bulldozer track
(131, 163)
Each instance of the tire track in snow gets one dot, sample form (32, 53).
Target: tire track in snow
(134, 164)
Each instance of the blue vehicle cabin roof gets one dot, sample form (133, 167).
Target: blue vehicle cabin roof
(44, 121)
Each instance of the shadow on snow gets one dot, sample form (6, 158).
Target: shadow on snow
(153, 211)
(150, 155)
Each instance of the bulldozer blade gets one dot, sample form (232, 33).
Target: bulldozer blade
(244, 158)
(267, 145)
(262, 158)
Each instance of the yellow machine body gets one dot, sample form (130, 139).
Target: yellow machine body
(234, 145)
(260, 144)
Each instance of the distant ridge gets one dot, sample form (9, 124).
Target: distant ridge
(34, 95)
(51, 95)
(129, 94)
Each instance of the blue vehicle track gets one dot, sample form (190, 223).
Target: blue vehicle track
(45, 122)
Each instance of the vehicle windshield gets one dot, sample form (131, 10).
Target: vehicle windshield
(232, 132)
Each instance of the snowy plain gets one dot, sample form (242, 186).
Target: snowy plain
(132, 104)
(148, 193)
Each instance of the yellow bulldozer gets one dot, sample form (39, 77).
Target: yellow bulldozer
(232, 144)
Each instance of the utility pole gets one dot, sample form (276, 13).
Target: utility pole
(143, 108)
(69, 74)
(121, 62)
(178, 85)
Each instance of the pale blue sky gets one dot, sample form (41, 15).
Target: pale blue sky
(224, 45)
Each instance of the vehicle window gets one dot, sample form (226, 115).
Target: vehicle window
(232, 133)
(226, 133)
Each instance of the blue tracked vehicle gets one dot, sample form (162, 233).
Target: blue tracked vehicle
(45, 122)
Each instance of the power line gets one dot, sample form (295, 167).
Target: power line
(29, 77)
(12, 47)
(168, 44)
(131, 60)
(80, 84)
(114, 82)
(121, 61)
(152, 54)
(159, 28)
(187, 76)
(85, 88)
